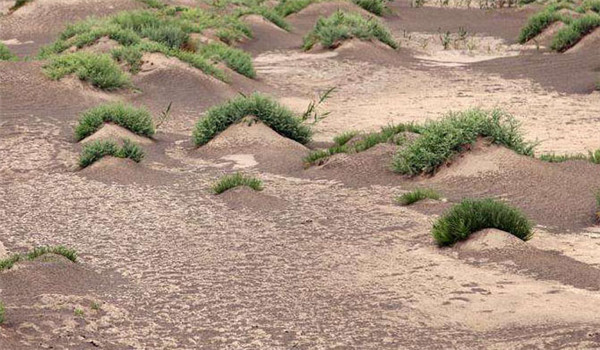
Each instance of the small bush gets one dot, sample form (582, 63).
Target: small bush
(287, 7)
(99, 70)
(472, 215)
(342, 26)
(275, 116)
(416, 195)
(5, 54)
(1, 312)
(344, 137)
(137, 120)
(68, 253)
(99, 149)
(228, 182)
(235, 59)
(442, 139)
(570, 35)
(376, 7)
(540, 21)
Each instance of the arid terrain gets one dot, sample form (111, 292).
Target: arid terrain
(321, 254)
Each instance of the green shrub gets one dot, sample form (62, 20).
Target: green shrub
(344, 137)
(275, 116)
(137, 120)
(99, 70)
(131, 55)
(154, 4)
(572, 33)
(235, 59)
(590, 5)
(473, 215)
(541, 20)
(228, 182)
(416, 195)
(5, 54)
(169, 35)
(1, 312)
(99, 149)
(287, 7)
(442, 139)
(68, 253)
(376, 7)
(342, 26)
(9, 262)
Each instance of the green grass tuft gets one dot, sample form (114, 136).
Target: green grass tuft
(593, 157)
(6, 55)
(277, 117)
(570, 35)
(472, 215)
(344, 137)
(1, 312)
(9, 262)
(99, 70)
(341, 26)
(541, 20)
(235, 59)
(97, 150)
(137, 120)
(228, 182)
(442, 139)
(288, 7)
(377, 7)
(416, 195)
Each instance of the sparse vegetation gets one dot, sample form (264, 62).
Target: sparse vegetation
(593, 157)
(568, 36)
(5, 54)
(99, 70)
(442, 139)
(99, 149)
(340, 26)
(18, 4)
(78, 312)
(343, 138)
(287, 7)
(137, 120)
(541, 20)
(377, 7)
(280, 119)
(1, 312)
(597, 195)
(8, 263)
(228, 182)
(416, 195)
(473, 215)
(235, 59)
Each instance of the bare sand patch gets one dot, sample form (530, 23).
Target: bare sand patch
(116, 133)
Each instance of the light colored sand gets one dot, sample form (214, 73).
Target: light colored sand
(116, 133)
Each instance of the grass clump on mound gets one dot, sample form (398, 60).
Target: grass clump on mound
(543, 19)
(288, 7)
(9, 262)
(228, 182)
(342, 26)
(277, 117)
(473, 215)
(6, 55)
(377, 7)
(99, 70)
(235, 59)
(342, 142)
(442, 139)
(570, 35)
(1, 312)
(137, 120)
(593, 157)
(589, 5)
(416, 195)
(99, 149)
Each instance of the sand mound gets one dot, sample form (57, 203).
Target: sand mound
(116, 133)
(547, 35)
(267, 36)
(253, 139)
(589, 42)
(490, 239)
(305, 20)
(555, 194)
(241, 198)
(125, 171)
(103, 45)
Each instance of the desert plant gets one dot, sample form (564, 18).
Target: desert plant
(559, 158)
(287, 7)
(137, 120)
(18, 4)
(1, 312)
(572, 33)
(376, 7)
(131, 55)
(9, 262)
(99, 70)
(5, 54)
(541, 20)
(235, 59)
(312, 110)
(341, 26)
(472, 215)
(277, 117)
(594, 156)
(228, 182)
(416, 195)
(589, 5)
(344, 137)
(68, 253)
(442, 139)
(96, 150)
(154, 3)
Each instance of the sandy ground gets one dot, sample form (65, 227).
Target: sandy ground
(313, 261)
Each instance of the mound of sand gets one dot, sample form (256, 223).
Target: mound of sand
(259, 22)
(102, 45)
(555, 194)
(490, 239)
(267, 36)
(252, 138)
(304, 20)
(116, 133)
(544, 39)
(590, 42)
(241, 198)
(125, 171)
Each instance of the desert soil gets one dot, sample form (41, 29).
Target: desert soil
(322, 258)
